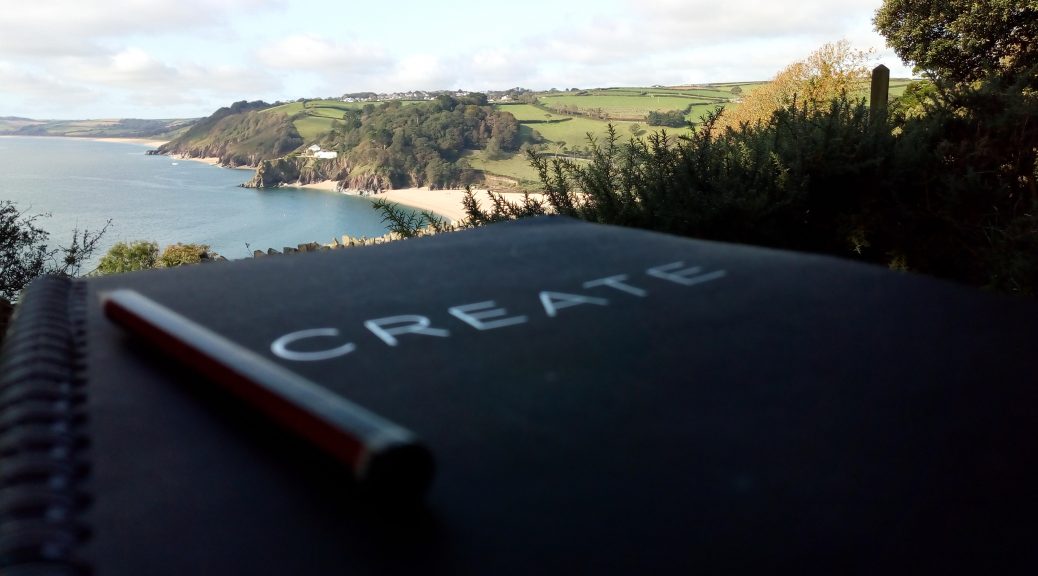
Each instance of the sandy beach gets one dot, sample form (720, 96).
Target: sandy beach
(145, 141)
(446, 203)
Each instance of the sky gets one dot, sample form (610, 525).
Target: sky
(80, 59)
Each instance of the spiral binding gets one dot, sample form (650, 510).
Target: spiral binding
(43, 437)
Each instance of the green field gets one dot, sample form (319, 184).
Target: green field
(319, 115)
(573, 133)
(625, 106)
(517, 167)
(634, 104)
(898, 86)
(745, 87)
(319, 107)
(527, 112)
(622, 107)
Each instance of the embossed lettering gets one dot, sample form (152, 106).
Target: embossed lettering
(476, 315)
(280, 346)
(678, 274)
(617, 282)
(409, 324)
(555, 301)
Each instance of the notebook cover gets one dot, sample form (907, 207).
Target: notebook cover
(601, 400)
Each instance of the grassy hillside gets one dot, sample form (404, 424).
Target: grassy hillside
(515, 167)
(399, 144)
(118, 128)
(561, 121)
(243, 134)
(634, 104)
(314, 118)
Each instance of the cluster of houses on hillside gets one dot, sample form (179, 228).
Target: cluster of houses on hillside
(510, 95)
(411, 95)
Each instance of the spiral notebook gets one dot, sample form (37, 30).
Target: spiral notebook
(597, 400)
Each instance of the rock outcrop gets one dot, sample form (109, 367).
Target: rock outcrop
(296, 170)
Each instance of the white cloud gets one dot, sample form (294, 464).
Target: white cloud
(239, 81)
(53, 20)
(423, 71)
(312, 52)
(206, 53)
(497, 68)
(735, 19)
(26, 87)
(659, 41)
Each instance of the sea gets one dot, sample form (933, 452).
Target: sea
(81, 184)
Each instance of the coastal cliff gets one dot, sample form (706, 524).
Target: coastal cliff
(373, 148)
(244, 134)
(307, 170)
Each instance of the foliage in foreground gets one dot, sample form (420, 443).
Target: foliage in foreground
(129, 257)
(834, 69)
(181, 254)
(26, 254)
(963, 40)
(407, 223)
(949, 192)
(144, 255)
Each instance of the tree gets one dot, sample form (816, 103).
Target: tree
(670, 118)
(124, 257)
(25, 253)
(493, 150)
(408, 223)
(962, 40)
(181, 254)
(835, 68)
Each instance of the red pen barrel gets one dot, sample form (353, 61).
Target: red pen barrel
(385, 458)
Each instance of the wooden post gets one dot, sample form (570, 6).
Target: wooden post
(880, 92)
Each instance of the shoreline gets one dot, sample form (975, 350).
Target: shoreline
(210, 160)
(445, 203)
(117, 139)
(154, 144)
(143, 141)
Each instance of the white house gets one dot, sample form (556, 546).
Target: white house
(316, 152)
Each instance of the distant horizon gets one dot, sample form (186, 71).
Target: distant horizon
(378, 92)
(387, 92)
(87, 59)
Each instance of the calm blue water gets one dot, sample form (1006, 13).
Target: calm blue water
(83, 183)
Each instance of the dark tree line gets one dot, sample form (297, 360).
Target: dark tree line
(668, 118)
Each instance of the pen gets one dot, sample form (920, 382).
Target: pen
(384, 457)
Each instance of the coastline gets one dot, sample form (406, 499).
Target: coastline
(212, 161)
(143, 141)
(446, 203)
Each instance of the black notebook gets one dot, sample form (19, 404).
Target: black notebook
(598, 400)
